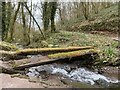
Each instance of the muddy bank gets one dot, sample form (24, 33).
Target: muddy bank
(17, 81)
(65, 75)
(109, 71)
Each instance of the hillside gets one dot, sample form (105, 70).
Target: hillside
(105, 20)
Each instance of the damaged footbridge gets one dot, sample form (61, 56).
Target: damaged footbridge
(18, 60)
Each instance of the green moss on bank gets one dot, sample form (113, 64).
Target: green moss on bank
(7, 46)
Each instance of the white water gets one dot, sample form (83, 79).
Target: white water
(78, 74)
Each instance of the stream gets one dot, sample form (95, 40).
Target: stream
(74, 73)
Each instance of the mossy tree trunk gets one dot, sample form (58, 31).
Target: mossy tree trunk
(9, 14)
(3, 20)
(46, 15)
(49, 11)
(53, 6)
(6, 19)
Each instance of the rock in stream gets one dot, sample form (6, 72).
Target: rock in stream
(79, 74)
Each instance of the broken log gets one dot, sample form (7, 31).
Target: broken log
(42, 51)
(26, 63)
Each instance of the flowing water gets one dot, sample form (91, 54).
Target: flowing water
(74, 73)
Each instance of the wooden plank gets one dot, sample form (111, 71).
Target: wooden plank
(51, 58)
(41, 60)
(31, 64)
(73, 53)
(24, 52)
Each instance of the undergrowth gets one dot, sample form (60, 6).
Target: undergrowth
(107, 46)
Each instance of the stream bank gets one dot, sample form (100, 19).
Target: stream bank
(72, 74)
(75, 76)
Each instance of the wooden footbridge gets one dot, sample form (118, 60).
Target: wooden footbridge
(14, 61)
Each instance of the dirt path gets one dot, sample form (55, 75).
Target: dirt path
(8, 82)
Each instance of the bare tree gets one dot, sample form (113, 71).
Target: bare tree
(30, 22)
(85, 9)
(11, 29)
(34, 20)
(24, 25)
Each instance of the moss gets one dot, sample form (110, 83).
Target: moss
(8, 47)
(42, 50)
(72, 54)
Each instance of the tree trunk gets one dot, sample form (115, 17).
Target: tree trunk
(11, 30)
(53, 6)
(24, 26)
(9, 13)
(85, 9)
(34, 20)
(95, 6)
(29, 26)
(60, 14)
(46, 12)
(3, 21)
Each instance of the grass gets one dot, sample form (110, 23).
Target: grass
(106, 19)
(105, 44)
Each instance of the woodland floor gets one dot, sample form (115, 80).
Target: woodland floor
(14, 81)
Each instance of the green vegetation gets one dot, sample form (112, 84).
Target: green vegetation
(106, 45)
(105, 20)
(72, 28)
(8, 47)
(40, 33)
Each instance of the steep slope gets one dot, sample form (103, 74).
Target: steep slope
(105, 20)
